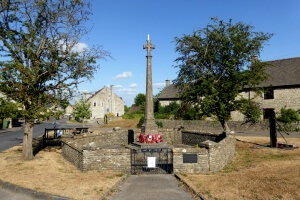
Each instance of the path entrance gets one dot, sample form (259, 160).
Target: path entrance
(151, 187)
(151, 161)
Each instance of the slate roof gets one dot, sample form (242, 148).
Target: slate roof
(169, 92)
(282, 73)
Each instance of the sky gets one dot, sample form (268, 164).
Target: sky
(122, 26)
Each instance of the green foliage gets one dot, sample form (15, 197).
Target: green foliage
(215, 63)
(82, 110)
(126, 108)
(250, 110)
(108, 117)
(162, 116)
(159, 124)
(288, 116)
(41, 63)
(167, 112)
(188, 112)
(141, 122)
(134, 115)
(172, 108)
(140, 99)
(9, 109)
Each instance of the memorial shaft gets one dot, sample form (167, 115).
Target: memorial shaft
(149, 127)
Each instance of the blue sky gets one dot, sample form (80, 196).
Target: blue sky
(121, 27)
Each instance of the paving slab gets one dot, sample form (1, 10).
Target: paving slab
(9, 195)
(151, 187)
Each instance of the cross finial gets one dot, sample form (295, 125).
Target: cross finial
(148, 46)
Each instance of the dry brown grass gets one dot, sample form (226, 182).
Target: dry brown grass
(50, 173)
(255, 173)
(123, 123)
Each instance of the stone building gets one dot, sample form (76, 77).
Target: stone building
(106, 101)
(169, 94)
(282, 89)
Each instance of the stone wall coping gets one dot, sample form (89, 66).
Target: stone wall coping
(72, 146)
(200, 132)
(110, 147)
(188, 150)
(208, 144)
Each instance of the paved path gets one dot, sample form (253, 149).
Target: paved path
(151, 187)
(9, 195)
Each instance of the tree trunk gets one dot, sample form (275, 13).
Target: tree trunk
(27, 153)
(225, 126)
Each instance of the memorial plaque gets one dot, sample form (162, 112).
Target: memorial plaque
(151, 162)
(151, 150)
(190, 158)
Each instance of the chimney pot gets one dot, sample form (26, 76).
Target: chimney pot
(167, 83)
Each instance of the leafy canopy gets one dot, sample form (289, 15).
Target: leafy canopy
(215, 63)
(140, 99)
(82, 110)
(8, 109)
(41, 56)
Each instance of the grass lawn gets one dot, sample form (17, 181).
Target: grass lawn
(49, 172)
(122, 123)
(255, 173)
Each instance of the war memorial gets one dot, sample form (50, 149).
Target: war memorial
(180, 149)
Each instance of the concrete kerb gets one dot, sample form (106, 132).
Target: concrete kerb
(114, 187)
(30, 192)
(190, 187)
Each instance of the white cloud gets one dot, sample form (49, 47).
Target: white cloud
(133, 85)
(159, 85)
(127, 90)
(77, 48)
(124, 75)
(118, 86)
(80, 47)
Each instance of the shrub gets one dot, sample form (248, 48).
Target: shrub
(250, 110)
(159, 124)
(141, 122)
(287, 116)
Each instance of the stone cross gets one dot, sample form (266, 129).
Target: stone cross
(149, 126)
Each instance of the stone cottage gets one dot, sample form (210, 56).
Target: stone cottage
(282, 89)
(106, 101)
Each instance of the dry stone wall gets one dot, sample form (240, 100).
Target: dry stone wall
(212, 126)
(73, 155)
(202, 165)
(108, 151)
(112, 159)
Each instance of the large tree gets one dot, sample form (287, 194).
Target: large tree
(216, 63)
(140, 99)
(41, 52)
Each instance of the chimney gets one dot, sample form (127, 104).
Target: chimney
(254, 58)
(112, 89)
(167, 83)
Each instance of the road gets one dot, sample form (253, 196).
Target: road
(14, 136)
(10, 138)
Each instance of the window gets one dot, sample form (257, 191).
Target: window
(268, 113)
(269, 94)
(95, 104)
